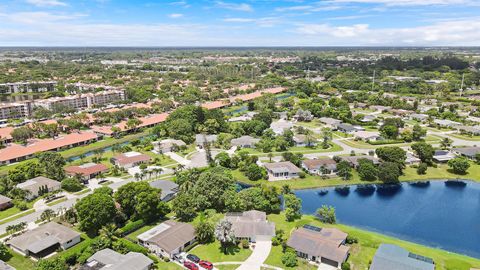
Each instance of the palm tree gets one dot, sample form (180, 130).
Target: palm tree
(109, 231)
(47, 215)
(137, 176)
(224, 233)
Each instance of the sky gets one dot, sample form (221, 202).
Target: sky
(192, 23)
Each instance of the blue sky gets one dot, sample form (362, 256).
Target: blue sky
(239, 23)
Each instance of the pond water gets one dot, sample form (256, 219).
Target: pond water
(441, 214)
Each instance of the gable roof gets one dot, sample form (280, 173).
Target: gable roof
(318, 163)
(112, 260)
(131, 157)
(34, 184)
(393, 257)
(282, 167)
(169, 235)
(250, 224)
(86, 169)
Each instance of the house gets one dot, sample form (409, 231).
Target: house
(367, 135)
(446, 123)
(168, 238)
(411, 159)
(347, 128)
(442, 156)
(472, 130)
(468, 152)
(353, 160)
(321, 245)
(130, 159)
(201, 139)
(280, 126)
(303, 115)
(242, 118)
(282, 170)
(304, 141)
(251, 225)
(38, 186)
(45, 239)
(420, 117)
(380, 108)
(107, 259)
(87, 170)
(320, 166)
(393, 257)
(330, 122)
(245, 142)
(5, 203)
(368, 118)
(168, 145)
(169, 189)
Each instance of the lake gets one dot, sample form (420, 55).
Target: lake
(438, 214)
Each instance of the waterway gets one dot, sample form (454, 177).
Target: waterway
(440, 214)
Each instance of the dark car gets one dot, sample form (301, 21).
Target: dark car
(206, 265)
(193, 258)
(190, 265)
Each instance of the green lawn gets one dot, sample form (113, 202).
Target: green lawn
(465, 137)
(52, 203)
(212, 252)
(167, 265)
(366, 145)
(9, 212)
(18, 261)
(227, 266)
(275, 259)
(304, 150)
(133, 236)
(362, 253)
(24, 213)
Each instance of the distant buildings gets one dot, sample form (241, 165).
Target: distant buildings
(321, 245)
(201, 139)
(168, 238)
(353, 160)
(168, 145)
(45, 239)
(81, 101)
(245, 142)
(280, 126)
(27, 87)
(15, 110)
(393, 257)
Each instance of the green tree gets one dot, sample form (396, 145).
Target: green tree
(446, 143)
(289, 258)
(293, 205)
(71, 185)
(223, 159)
(4, 252)
(225, 234)
(422, 168)
(459, 165)
(344, 170)
(22, 134)
(392, 154)
(95, 211)
(326, 214)
(367, 170)
(56, 263)
(389, 172)
(184, 207)
(205, 231)
(418, 132)
(255, 172)
(424, 151)
(389, 132)
(52, 164)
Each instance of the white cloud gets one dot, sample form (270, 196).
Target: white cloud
(46, 3)
(234, 6)
(175, 15)
(261, 22)
(38, 17)
(460, 32)
(180, 3)
(294, 8)
(410, 2)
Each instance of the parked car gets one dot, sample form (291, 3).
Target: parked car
(206, 265)
(193, 258)
(190, 265)
(179, 258)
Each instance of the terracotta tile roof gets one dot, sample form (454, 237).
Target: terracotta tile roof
(215, 104)
(131, 157)
(14, 150)
(5, 133)
(146, 121)
(247, 97)
(86, 169)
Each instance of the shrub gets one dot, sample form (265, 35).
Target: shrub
(244, 243)
(71, 185)
(289, 259)
(351, 240)
(301, 174)
(422, 168)
(345, 266)
(131, 226)
(143, 166)
(21, 205)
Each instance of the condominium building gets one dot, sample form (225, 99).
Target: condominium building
(82, 101)
(27, 87)
(15, 110)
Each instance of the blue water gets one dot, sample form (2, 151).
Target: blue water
(439, 214)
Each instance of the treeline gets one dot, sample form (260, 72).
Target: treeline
(425, 63)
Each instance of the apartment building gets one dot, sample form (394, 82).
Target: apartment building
(15, 110)
(27, 87)
(82, 101)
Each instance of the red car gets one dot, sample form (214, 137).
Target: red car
(190, 265)
(206, 265)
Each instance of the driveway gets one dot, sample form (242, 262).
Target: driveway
(259, 255)
(324, 266)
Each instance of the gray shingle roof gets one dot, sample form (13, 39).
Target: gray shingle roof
(112, 260)
(250, 224)
(393, 257)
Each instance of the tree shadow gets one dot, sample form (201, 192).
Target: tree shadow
(230, 249)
